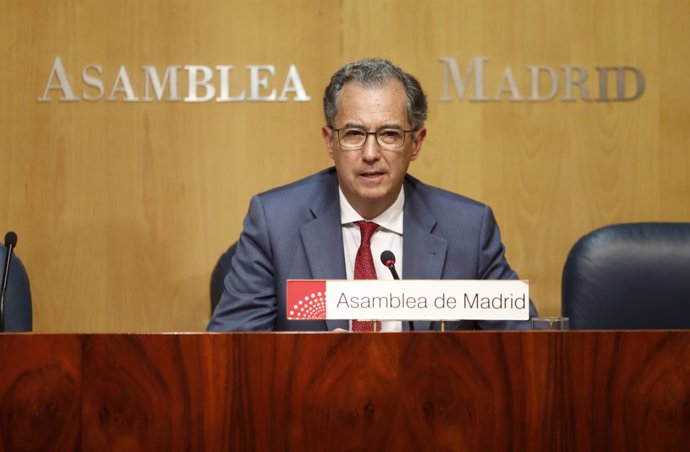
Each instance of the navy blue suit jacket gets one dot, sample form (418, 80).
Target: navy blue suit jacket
(294, 232)
(18, 313)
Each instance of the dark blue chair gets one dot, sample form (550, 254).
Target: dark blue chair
(220, 270)
(629, 276)
(18, 311)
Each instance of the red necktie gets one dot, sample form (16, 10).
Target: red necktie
(364, 269)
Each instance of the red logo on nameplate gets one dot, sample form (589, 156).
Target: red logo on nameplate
(306, 299)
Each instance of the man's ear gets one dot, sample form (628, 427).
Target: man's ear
(417, 143)
(327, 135)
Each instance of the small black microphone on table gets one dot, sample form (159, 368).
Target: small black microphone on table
(388, 259)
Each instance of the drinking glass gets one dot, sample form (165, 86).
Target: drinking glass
(550, 323)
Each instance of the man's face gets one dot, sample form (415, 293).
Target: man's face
(371, 177)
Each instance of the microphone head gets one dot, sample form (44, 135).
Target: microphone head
(10, 239)
(388, 258)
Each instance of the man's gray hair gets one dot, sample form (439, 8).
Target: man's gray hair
(372, 73)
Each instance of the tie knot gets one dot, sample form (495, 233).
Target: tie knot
(367, 229)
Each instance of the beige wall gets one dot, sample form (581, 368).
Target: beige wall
(123, 208)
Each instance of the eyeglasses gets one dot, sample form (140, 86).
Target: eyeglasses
(354, 138)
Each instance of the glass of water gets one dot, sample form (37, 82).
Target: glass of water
(550, 323)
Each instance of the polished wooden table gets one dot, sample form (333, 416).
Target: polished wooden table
(465, 391)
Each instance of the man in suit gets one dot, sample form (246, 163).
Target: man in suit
(374, 128)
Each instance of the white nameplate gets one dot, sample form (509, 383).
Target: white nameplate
(408, 299)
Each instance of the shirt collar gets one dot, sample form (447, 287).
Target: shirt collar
(391, 219)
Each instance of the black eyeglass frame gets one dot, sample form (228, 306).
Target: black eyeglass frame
(376, 137)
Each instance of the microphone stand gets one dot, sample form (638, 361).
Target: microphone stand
(388, 259)
(10, 243)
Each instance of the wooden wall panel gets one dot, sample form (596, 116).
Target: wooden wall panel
(123, 208)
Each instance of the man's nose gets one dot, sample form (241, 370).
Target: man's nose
(371, 150)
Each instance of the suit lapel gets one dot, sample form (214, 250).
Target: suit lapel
(323, 239)
(424, 253)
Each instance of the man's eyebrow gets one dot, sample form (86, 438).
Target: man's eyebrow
(353, 125)
(360, 126)
(391, 126)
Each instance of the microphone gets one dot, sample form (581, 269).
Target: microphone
(10, 243)
(388, 259)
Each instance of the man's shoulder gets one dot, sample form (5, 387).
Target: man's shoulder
(436, 196)
(300, 189)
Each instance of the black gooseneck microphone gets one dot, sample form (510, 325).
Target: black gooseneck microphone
(388, 259)
(10, 243)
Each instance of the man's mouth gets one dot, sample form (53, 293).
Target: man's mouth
(372, 174)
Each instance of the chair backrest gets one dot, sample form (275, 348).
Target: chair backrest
(629, 276)
(218, 276)
(18, 311)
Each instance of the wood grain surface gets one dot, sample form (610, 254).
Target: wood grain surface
(531, 391)
(40, 393)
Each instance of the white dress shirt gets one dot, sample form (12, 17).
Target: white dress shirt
(388, 236)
